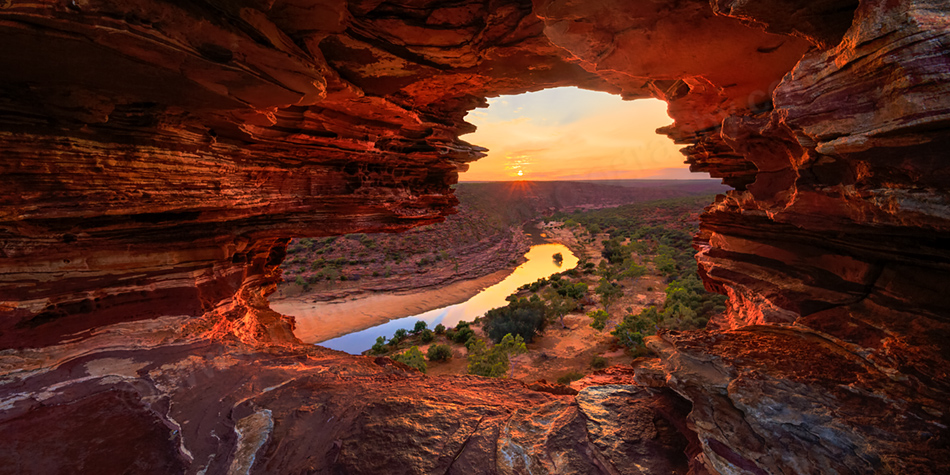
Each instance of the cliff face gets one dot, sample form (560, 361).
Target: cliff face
(158, 155)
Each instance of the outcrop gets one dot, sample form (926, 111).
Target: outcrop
(158, 156)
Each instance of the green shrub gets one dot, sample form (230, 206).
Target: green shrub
(412, 358)
(609, 293)
(439, 353)
(439, 329)
(400, 335)
(575, 291)
(599, 319)
(492, 361)
(420, 325)
(598, 362)
(522, 317)
(380, 346)
(463, 335)
(426, 336)
(634, 328)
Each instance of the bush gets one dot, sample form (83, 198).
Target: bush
(470, 342)
(569, 378)
(412, 358)
(492, 362)
(634, 328)
(439, 353)
(463, 335)
(575, 291)
(400, 335)
(609, 292)
(420, 325)
(426, 336)
(439, 329)
(380, 346)
(598, 362)
(600, 319)
(521, 317)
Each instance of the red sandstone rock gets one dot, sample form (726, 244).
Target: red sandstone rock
(158, 155)
(177, 406)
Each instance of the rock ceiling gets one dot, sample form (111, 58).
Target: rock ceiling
(157, 156)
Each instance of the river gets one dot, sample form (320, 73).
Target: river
(540, 263)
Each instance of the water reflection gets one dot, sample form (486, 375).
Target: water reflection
(540, 264)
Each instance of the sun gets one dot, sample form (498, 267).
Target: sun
(520, 172)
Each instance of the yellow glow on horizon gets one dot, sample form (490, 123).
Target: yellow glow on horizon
(568, 133)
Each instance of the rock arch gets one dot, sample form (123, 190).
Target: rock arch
(158, 155)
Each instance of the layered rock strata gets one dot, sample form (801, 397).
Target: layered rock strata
(159, 155)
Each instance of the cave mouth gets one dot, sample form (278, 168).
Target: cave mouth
(568, 133)
(559, 146)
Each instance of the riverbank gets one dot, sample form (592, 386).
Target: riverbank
(320, 320)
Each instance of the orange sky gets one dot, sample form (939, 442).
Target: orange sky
(573, 134)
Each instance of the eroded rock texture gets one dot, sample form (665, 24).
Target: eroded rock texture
(158, 155)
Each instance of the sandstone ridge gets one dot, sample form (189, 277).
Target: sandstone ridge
(158, 156)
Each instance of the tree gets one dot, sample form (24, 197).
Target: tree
(412, 358)
(522, 317)
(560, 306)
(420, 325)
(439, 329)
(632, 270)
(609, 293)
(558, 258)
(493, 362)
(634, 328)
(665, 264)
(439, 353)
(463, 332)
(575, 291)
(599, 319)
(607, 272)
(614, 251)
(380, 346)
(426, 335)
(400, 335)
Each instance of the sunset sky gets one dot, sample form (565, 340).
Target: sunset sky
(573, 134)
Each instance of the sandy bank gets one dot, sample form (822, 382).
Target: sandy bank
(321, 321)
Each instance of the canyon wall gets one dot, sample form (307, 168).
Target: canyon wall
(158, 155)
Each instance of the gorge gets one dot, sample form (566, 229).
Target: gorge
(158, 156)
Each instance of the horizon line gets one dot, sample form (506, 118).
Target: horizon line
(593, 179)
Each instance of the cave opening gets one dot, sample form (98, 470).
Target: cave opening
(568, 133)
(160, 156)
(549, 153)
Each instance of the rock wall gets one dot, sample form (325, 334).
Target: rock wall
(158, 155)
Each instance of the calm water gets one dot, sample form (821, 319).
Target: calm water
(540, 264)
